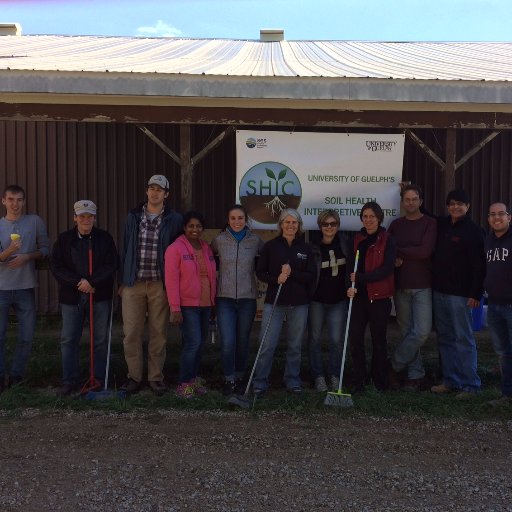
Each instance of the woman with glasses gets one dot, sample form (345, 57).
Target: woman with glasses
(374, 287)
(329, 304)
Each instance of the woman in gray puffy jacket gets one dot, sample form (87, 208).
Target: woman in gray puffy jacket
(237, 247)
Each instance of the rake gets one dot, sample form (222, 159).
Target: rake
(337, 398)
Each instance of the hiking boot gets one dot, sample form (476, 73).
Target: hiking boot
(440, 389)
(228, 388)
(198, 384)
(393, 378)
(412, 384)
(320, 384)
(130, 387)
(158, 387)
(465, 395)
(185, 390)
(240, 385)
(66, 390)
(501, 402)
(334, 382)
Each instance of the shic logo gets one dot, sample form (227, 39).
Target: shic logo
(380, 145)
(268, 188)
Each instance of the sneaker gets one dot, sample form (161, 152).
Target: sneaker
(334, 382)
(440, 389)
(258, 392)
(130, 387)
(158, 387)
(320, 384)
(14, 380)
(198, 386)
(185, 390)
(228, 388)
(296, 390)
(501, 402)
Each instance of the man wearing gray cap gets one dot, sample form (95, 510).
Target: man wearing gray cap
(150, 229)
(84, 261)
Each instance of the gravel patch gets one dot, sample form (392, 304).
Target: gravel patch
(170, 460)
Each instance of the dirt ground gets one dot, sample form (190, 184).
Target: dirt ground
(170, 460)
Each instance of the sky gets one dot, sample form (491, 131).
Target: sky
(369, 20)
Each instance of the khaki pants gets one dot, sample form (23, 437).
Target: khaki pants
(142, 297)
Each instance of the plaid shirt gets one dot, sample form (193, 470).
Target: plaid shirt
(147, 250)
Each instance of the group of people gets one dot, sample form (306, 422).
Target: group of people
(432, 268)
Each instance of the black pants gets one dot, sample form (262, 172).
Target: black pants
(376, 314)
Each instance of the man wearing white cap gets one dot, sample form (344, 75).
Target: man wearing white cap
(150, 229)
(73, 255)
(23, 239)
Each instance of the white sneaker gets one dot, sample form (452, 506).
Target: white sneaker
(320, 384)
(335, 382)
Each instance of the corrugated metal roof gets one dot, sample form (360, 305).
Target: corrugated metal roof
(221, 57)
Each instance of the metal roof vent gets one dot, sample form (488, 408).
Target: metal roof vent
(10, 29)
(271, 34)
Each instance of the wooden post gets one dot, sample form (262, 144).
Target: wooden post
(186, 168)
(449, 166)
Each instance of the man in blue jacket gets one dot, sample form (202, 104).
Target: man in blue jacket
(498, 284)
(150, 229)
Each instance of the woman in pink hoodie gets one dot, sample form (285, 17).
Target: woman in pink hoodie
(190, 282)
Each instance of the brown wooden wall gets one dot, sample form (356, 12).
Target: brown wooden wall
(60, 162)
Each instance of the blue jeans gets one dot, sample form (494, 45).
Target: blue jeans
(24, 305)
(335, 318)
(73, 317)
(296, 318)
(235, 318)
(456, 343)
(414, 317)
(499, 319)
(194, 331)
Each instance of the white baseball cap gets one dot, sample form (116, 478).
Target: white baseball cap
(159, 180)
(84, 206)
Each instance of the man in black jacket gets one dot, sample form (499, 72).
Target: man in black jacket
(458, 271)
(84, 261)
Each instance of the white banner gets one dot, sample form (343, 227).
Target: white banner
(315, 171)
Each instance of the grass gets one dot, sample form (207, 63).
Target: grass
(44, 373)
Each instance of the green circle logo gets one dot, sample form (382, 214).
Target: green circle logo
(268, 188)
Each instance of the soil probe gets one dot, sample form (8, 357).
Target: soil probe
(337, 398)
(243, 401)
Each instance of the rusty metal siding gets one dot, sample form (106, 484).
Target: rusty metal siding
(60, 162)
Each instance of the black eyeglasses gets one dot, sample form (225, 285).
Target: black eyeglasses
(329, 224)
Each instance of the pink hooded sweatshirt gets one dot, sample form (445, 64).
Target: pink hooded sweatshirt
(182, 280)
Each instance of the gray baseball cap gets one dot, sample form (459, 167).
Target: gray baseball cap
(159, 180)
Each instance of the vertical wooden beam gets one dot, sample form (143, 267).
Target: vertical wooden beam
(450, 159)
(186, 168)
